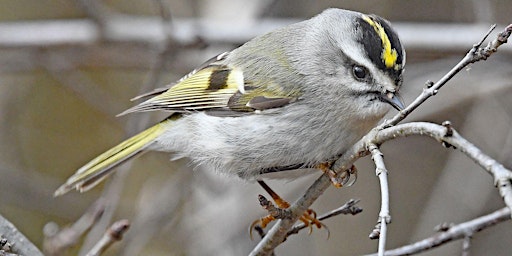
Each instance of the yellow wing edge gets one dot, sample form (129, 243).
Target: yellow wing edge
(101, 167)
(211, 87)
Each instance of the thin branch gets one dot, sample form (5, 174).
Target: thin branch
(475, 54)
(277, 234)
(112, 195)
(348, 208)
(170, 46)
(113, 234)
(134, 124)
(449, 137)
(19, 243)
(97, 12)
(56, 242)
(148, 29)
(167, 47)
(156, 210)
(466, 245)
(384, 217)
(66, 72)
(455, 232)
(5, 253)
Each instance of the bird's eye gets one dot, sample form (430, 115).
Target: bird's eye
(359, 72)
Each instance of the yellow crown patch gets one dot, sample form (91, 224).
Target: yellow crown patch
(389, 55)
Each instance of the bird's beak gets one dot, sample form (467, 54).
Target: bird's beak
(394, 99)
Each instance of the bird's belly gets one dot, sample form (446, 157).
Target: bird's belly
(244, 146)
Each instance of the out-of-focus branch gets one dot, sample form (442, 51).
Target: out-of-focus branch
(70, 77)
(97, 12)
(125, 28)
(113, 234)
(112, 191)
(502, 176)
(466, 245)
(56, 242)
(20, 244)
(455, 232)
(155, 210)
(167, 49)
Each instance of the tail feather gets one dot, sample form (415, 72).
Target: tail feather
(100, 167)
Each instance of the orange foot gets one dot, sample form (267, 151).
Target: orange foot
(280, 212)
(339, 180)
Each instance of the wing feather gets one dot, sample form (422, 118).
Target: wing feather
(217, 88)
(158, 91)
(210, 87)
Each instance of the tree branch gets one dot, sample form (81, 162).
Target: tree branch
(449, 137)
(348, 208)
(455, 232)
(475, 54)
(501, 175)
(381, 171)
(20, 244)
(113, 234)
(148, 29)
(58, 241)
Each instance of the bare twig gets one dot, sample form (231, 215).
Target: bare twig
(167, 48)
(97, 12)
(134, 124)
(455, 232)
(466, 245)
(4, 253)
(156, 210)
(56, 242)
(475, 54)
(19, 244)
(502, 176)
(148, 29)
(384, 217)
(348, 208)
(113, 234)
(112, 194)
(71, 78)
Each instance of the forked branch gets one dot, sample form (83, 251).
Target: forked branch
(387, 131)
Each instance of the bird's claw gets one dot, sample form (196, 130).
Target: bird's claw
(308, 218)
(341, 179)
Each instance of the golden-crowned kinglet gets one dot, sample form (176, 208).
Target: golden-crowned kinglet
(295, 97)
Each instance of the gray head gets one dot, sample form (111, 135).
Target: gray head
(359, 56)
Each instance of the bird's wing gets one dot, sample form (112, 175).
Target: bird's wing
(216, 87)
(205, 64)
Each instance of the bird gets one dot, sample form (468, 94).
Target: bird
(293, 98)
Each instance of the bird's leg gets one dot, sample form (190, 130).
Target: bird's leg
(339, 180)
(280, 212)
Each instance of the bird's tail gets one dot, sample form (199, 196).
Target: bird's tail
(100, 167)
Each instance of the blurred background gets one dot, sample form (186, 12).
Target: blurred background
(68, 67)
